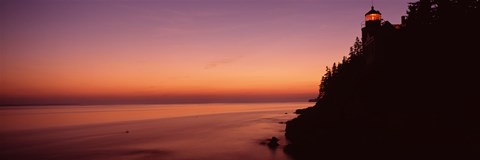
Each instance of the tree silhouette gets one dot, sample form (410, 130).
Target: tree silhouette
(415, 98)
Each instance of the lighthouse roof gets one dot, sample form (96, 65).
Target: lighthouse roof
(373, 11)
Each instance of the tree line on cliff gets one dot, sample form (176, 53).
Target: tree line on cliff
(419, 97)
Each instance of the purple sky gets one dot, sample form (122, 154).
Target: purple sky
(80, 50)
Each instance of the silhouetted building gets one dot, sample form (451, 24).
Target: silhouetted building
(377, 32)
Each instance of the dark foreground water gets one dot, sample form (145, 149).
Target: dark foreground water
(171, 132)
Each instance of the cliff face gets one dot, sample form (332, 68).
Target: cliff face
(417, 97)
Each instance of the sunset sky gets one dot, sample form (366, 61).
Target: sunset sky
(174, 51)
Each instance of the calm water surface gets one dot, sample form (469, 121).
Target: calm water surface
(179, 131)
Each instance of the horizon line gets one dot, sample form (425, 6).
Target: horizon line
(146, 103)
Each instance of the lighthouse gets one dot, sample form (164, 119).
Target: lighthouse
(373, 22)
(377, 33)
(373, 18)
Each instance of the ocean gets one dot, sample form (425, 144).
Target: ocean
(214, 131)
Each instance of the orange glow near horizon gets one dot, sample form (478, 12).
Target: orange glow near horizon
(84, 77)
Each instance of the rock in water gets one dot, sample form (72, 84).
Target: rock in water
(273, 142)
